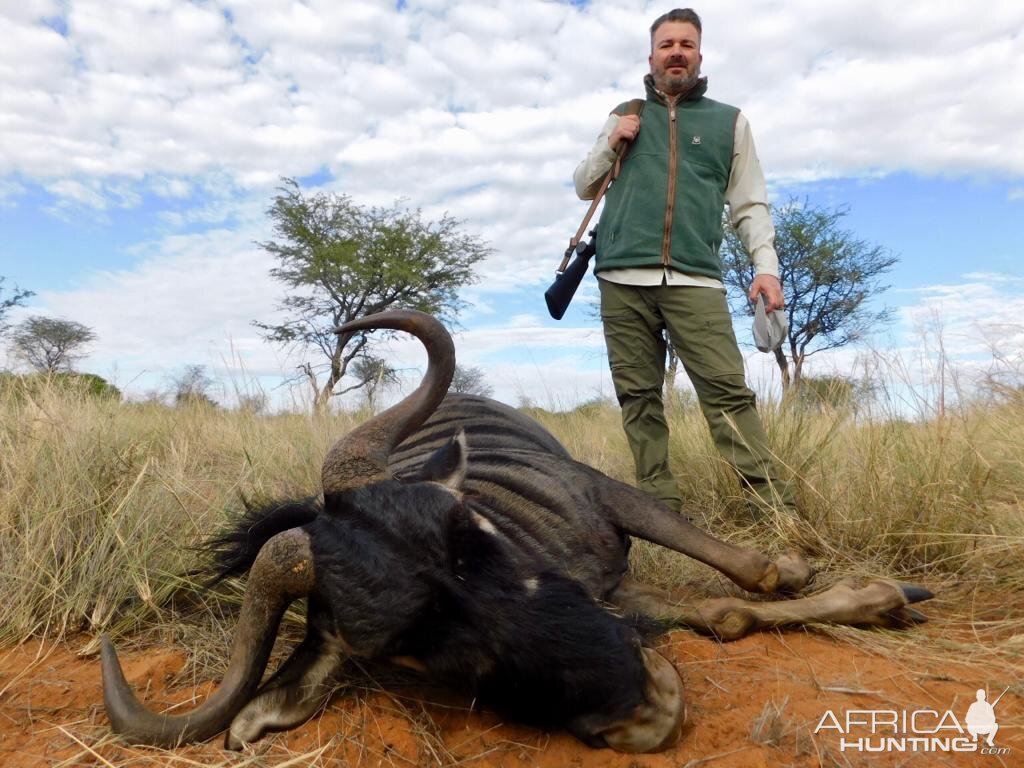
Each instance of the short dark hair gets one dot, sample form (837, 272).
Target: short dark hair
(687, 15)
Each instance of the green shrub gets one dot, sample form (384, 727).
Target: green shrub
(18, 384)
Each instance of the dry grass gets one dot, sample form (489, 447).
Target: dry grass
(100, 503)
(91, 488)
(771, 725)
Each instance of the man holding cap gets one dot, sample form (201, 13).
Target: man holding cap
(658, 264)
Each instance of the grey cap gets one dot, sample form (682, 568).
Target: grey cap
(770, 328)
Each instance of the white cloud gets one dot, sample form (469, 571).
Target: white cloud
(278, 87)
(980, 318)
(192, 302)
(478, 110)
(71, 190)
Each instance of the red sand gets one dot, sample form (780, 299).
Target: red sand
(51, 713)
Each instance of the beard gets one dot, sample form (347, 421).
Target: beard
(674, 85)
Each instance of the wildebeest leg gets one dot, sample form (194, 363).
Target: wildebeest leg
(638, 514)
(879, 603)
(294, 693)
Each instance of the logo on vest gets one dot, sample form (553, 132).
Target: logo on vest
(696, 140)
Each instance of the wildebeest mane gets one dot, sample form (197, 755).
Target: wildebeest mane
(232, 550)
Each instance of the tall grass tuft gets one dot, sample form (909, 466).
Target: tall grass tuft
(100, 501)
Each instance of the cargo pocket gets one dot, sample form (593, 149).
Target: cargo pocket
(636, 358)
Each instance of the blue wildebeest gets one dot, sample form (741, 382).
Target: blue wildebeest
(456, 536)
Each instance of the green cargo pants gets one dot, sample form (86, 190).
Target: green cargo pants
(700, 329)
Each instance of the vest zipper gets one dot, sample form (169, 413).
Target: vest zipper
(670, 202)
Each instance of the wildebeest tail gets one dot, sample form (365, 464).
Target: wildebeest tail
(233, 549)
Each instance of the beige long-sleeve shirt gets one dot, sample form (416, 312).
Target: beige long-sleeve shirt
(745, 196)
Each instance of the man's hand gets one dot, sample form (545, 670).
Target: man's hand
(626, 129)
(770, 286)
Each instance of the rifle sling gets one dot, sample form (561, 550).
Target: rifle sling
(635, 107)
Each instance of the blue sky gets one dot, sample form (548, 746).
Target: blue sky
(141, 141)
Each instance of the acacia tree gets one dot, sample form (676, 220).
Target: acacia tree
(16, 299)
(827, 275)
(470, 380)
(49, 344)
(341, 261)
(192, 387)
(375, 375)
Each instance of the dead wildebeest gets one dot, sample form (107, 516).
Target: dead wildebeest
(458, 537)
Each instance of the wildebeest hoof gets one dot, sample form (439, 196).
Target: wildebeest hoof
(887, 603)
(904, 617)
(913, 592)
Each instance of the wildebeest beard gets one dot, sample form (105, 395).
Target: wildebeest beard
(429, 583)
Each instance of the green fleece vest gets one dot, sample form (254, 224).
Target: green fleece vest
(642, 225)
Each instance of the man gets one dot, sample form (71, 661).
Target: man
(658, 264)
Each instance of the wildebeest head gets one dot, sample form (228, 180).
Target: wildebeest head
(442, 590)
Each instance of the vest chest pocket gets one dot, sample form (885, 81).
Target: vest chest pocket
(704, 166)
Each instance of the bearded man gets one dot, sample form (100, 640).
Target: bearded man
(658, 266)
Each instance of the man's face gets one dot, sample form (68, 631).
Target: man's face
(675, 57)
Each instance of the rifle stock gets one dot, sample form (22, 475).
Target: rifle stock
(564, 288)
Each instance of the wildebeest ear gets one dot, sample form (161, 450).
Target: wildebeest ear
(447, 465)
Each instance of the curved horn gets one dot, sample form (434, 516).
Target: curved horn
(362, 455)
(282, 572)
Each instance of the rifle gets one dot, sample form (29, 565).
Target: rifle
(569, 276)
